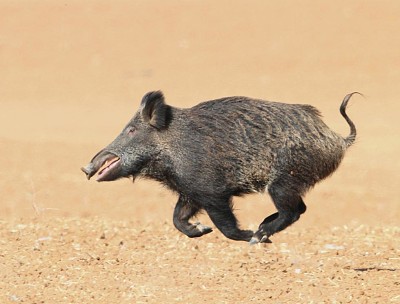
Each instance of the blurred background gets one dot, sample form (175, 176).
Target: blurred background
(72, 73)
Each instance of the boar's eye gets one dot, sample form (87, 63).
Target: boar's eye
(130, 131)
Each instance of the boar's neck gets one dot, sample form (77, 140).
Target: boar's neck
(159, 169)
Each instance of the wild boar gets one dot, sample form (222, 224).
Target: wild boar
(223, 148)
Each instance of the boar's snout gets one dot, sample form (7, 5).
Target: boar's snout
(89, 170)
(106, 164)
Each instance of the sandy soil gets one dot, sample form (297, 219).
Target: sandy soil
(72, 74)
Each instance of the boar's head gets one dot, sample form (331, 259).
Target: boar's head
(137, 145)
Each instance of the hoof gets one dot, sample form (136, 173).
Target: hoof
(255, 240)
(265, 239)
(202, 228)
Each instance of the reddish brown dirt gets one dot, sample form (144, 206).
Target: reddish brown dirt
(72, 74)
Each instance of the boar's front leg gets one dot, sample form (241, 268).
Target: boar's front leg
(184, 210)
(222, 216)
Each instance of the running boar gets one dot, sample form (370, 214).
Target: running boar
(223, 148)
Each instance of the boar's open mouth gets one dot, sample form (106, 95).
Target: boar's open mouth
(107, 171)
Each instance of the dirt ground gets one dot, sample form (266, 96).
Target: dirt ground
(73, 72)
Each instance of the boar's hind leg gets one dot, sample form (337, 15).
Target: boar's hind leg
(223, 217)
(290, 207)
(184, 210)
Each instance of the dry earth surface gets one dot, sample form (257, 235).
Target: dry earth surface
(73, 72)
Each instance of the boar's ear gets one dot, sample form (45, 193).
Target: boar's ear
(154, 110)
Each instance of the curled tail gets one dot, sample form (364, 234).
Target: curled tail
(353, 131)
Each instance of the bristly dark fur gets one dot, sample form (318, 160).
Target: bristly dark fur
(228, 147)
